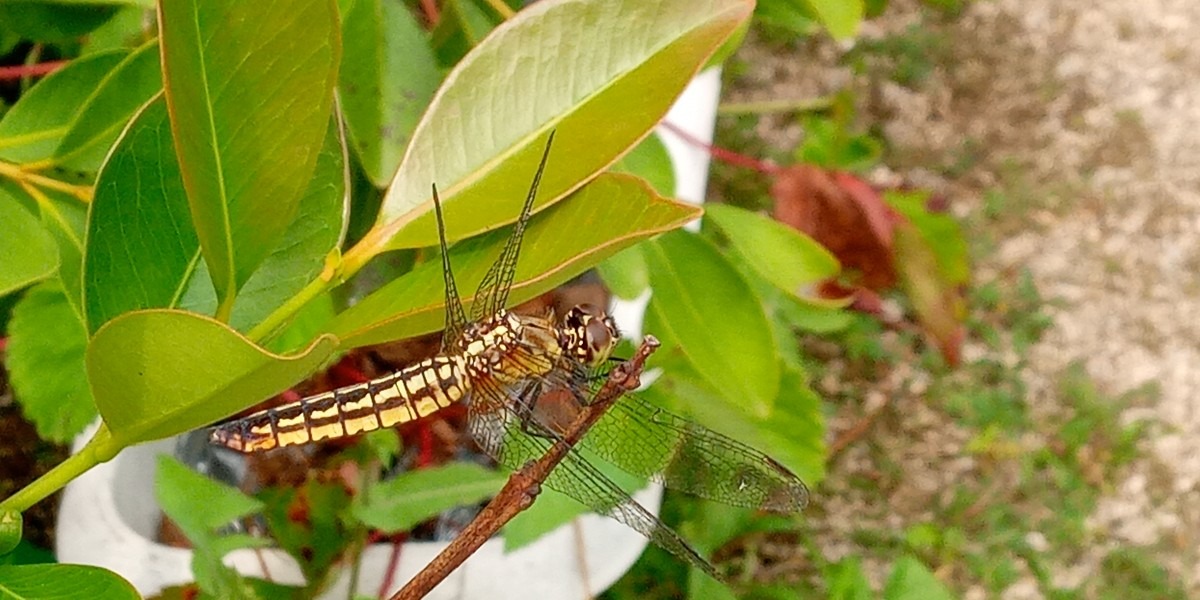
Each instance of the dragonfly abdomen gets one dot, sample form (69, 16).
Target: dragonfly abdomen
(416, 391)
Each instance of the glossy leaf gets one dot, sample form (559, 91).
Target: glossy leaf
(610, 213)
(298, 258)
(141, 248)
(249, 112)
(29, 252)
(388, 75)
(63, 582)
(157, 373)
(716, 317)
(650, 161)
(553, 66)
(34, 126)
(911, 580)
(401, 503)
(45, 361)
(790, 260)
(110, 106)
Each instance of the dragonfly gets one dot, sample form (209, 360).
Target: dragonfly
(523, 378)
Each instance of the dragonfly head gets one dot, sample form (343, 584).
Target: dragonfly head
(589, 334)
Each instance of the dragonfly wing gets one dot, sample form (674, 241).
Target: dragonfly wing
(505, 435)
(648, 441)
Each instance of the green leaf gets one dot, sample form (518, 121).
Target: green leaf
(847, 581)
(320, 538)
(46, 363)
(314, 232)
(249, 112)
(650, 161)
(158, 373)
(625, 273)
(34, 126)
(27, 553)
(63, 582)
(10, 530)
(110, 106)
(910, 580)
(401, 503)
(29, 252)
(141, 248)
(790, 260)
(552, 66)
(55, 21)
(388, 75)
(197, 503)
(940, 231)
(610, 213)
(201, 507)
(66, 219)
(716, 317)
(840, 17)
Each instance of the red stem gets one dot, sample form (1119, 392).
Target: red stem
(723, 155)
(429, 7)
(13, 72)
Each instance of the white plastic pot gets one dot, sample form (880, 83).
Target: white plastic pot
(109, 516)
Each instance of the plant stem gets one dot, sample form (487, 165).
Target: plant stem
(19, 71)
(22, 175)
(775, 106)
(100, 448)
(329, 276)
(501, 9)
(723, 155)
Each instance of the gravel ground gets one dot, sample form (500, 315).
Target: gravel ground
(1088, 115)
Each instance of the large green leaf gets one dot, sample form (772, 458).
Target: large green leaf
(790, 260)
(33, 127)
(716, 317)
(158, 373)
(45, 360)
(249, 86)
(553, 66)
(400, 503)
(610, 213)
(388, 75)
(111, 105)
(141, 248)
(315, 230)
(63, 582)
(28, 250)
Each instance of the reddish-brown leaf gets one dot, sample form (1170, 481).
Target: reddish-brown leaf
(844, 214)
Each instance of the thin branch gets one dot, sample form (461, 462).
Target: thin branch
(501, 9)
(775, 106)
(524, 484)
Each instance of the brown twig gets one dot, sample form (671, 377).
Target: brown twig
(524, 484)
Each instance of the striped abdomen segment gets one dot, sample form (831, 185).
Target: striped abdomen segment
(408, 394)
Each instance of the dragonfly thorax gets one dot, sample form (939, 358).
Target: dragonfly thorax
(509, 347)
